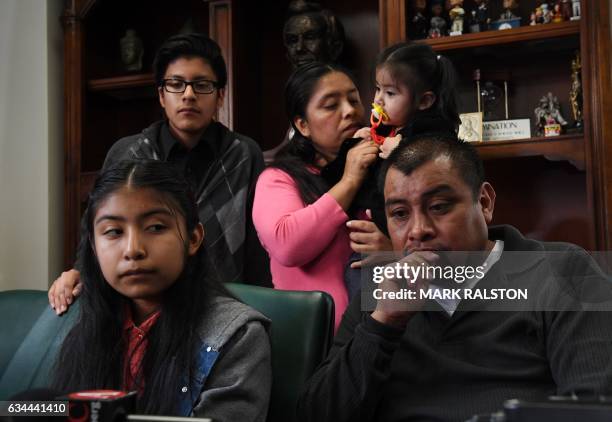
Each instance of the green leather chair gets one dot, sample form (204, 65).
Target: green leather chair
(30, 337)
(301, 334)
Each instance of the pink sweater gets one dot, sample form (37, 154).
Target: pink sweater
(309, 246)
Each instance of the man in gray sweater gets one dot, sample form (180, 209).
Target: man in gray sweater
(445, 358)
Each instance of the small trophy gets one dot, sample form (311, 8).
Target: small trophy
(489, 99)
(576, 94)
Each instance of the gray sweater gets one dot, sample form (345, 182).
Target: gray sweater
(236, 387)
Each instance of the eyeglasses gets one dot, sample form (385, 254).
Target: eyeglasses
(178, 86)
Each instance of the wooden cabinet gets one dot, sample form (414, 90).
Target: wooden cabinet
(551, 188)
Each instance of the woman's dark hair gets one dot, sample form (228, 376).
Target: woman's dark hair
(420, 69)
(189, 46)
(299, 154)
(92, 355)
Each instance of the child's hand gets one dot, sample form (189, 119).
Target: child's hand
(367, 238)
(389, 145)
(364, 133)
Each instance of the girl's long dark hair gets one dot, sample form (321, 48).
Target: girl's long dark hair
(92, 355)
(420, 69)
(299, 154)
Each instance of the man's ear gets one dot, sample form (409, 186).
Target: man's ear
(427, 100)
(486, 201)
(220, 97)
(196, 239)
(160, 94)
(301, 124)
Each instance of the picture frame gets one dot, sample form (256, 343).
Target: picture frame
(470, 129)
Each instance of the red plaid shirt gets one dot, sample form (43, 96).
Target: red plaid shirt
(136, 338)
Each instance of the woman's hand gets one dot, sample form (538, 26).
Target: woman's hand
(367, 238)
(358, 159)
(64, 290)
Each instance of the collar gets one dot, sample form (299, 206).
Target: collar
(145, 326)
(514, 241)
(211, 140)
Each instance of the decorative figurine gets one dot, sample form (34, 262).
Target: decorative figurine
(418, 23)
(575, 10)
(566, 9)
(532, 19)
(437, 24)
(546, 13)
(509, 6)
(507, 19)
(131, 51)
(576, 92)
(549, 120)
(480, 17)
(539, 16)
(557, 15)
(312, 34)
(456, 14)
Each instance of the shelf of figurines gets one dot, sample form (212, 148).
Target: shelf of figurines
(124, 87)
(505, 36)
(568, 147)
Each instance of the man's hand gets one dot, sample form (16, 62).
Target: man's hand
(64, 290)
(397, 312)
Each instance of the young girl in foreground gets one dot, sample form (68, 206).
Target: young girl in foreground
(150, 319)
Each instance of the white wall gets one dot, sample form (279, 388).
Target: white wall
(31, 137)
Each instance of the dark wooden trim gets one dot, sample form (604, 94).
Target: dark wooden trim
(220, 30)
(565, 147)
(130, 81)
(392, 21)
(595, 48)
(524, 33)
(73, 106)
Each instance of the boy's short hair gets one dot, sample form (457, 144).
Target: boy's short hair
(412, 153)
(190, 45)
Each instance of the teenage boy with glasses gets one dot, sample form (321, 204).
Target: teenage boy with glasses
(223, 166)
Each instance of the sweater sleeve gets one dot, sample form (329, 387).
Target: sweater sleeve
(292, 233)
(238, 387)
(579, 342)
(348, 385)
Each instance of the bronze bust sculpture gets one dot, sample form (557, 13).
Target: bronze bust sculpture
(312, 34)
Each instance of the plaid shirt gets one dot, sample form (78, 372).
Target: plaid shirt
(223, 169)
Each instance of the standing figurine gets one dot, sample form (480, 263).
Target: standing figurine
(509, 6)
(576, 91)
(437, 23)
(480, 17)
(546, 13)
(548, 116)
(575, 10)
(418, 24)
(557, 15)
(456, 14)
(566, 9)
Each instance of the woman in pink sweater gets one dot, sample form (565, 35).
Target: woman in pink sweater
(301, 221)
